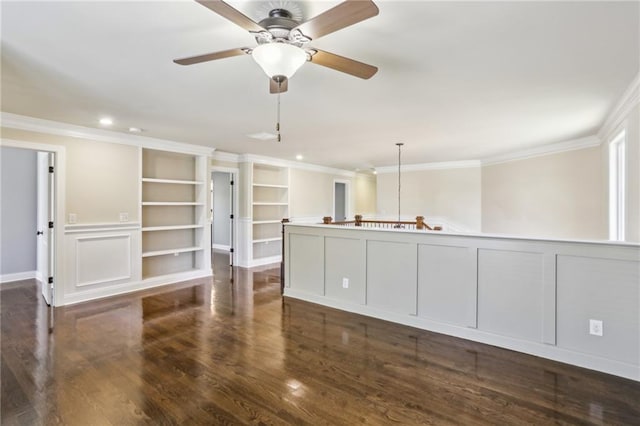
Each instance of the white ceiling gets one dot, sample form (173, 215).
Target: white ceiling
(456, 80)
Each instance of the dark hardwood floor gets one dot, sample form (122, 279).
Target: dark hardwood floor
(231, 351)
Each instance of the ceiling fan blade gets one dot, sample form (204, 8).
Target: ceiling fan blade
(273, 86)
(346, 65)
(212, 56)
(341, 16)
(232, 14)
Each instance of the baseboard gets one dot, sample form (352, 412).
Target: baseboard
(221, 247)
(17, 276)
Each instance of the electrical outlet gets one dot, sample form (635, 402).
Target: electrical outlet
(595, 327)
(345, 283)
(73, 218)
(124, 217)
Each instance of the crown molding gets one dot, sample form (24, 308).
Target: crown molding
(260, 159)
(629, 99)
(22, 122)
(555, 148)
(445, 165)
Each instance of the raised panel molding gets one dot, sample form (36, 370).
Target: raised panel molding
(97, 261)
(102, 259)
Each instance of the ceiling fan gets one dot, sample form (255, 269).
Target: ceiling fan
(283, 41)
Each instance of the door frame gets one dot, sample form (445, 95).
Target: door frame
(235, 177)
(347, 198)
(57, 248)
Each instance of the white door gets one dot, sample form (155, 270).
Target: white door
(44, 217)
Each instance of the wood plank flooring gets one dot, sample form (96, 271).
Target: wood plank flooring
(231, 351)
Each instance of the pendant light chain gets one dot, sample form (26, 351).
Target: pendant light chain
(278, 113)
(399, 171)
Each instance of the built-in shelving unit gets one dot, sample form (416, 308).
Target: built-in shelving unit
(269, 205)
(173, 213)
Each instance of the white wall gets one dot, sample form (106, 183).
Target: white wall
(18, 204)
(556, 195)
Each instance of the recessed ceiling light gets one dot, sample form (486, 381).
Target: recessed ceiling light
(106, 121)
(135, 129)
(299, 157)
(375, 172)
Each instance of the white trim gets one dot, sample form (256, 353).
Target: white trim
(430, 166)
(59, 213)
(101, 227)
(226, 156)
(555, 148)
(132, 287)
(18, 276)
(629, 99)
(270, 161)
(222, 247)
(235, 208)
(15, 121)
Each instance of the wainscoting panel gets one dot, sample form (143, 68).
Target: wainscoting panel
(102, 259)
(345, 258)
(447, 285)
(510, 293)
(391, 276)
(306, 254)
(602, 289)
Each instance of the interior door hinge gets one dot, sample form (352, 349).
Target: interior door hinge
(50, 169)
(231, 183)
(50, 225)
(231, 250)
(50, 280)
(231, 216)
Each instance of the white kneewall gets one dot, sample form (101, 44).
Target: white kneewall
(534, 296)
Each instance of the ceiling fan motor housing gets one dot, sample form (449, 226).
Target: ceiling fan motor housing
(278, 25)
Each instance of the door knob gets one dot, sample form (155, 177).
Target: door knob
(40, 233)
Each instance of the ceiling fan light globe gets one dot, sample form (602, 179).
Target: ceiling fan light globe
(279, 59)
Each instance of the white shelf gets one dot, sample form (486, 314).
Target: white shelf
(267, 240)
(175, 181)
(171, 203)
(259, 203)
(262, 222)
(170, 251)
(170, 227)
(268, 185)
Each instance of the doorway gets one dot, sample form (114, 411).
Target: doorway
(223, 208)
(45, 233)
(340, 200)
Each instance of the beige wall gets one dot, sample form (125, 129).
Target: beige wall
(452, 195)
(556, 196)
(101, 178)
(365, 195)
(311, 194)
(632, 228)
